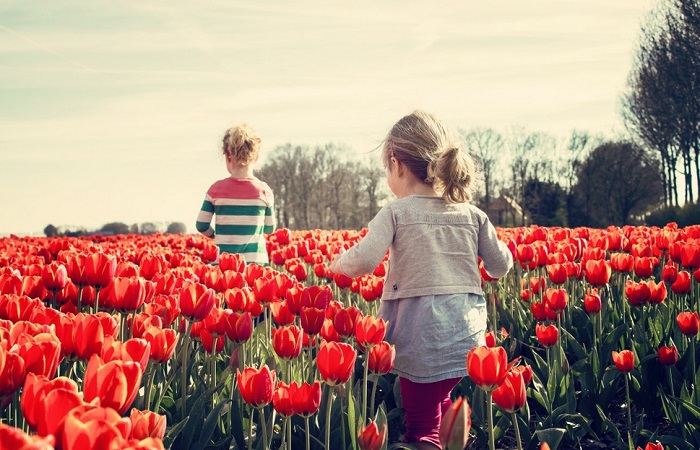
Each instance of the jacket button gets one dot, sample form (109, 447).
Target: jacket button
(396, 288)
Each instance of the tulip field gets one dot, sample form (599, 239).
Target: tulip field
(156, 342)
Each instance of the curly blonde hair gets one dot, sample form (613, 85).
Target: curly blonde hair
(421, 142)
(242, 144)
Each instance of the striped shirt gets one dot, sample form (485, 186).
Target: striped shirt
(244, 209)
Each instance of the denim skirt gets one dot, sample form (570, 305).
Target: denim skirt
(433, 334)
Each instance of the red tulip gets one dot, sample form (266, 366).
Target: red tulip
(328, 331)
(669, 273)
(45, 402)
(557, 273)
(41, 353)
(511, 394)
(12, 372)
(370, 438)
(688, 323)
(644, 266)
(657, 291)
(306, 398)
(238, 327)
(15, 438)
(196, 301)
(137, 350)
(547, 335)
(115, 383)
(622, 262)
(487, 367)
(281, 313)
(287, 341)
(624, 360)
(598, 272)
(490, 338)
(256, 386)
(380, 359)
(455, 425)
(682, 283)
(232, 261)
(54, 276)
(592, 302)
(282, 399)
(336, 362)
(345, 320)
(145, 424)
(525, 371)
(312, 319)
(652, 446)
(239, 299)
(690, 256)
(90, 426)
(557, 299)
(125, 294)
(369, 331)
(162, 343)
(668, 356)
(637, 293)
(99, 269)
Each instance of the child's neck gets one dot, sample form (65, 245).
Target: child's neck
(241, 172)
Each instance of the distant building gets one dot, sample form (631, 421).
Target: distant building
(505, 212)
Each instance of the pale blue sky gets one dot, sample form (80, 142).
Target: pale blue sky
(114, 111)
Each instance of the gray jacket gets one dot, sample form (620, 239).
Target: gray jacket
(433, 248)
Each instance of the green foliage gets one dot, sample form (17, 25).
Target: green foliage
(684, 216)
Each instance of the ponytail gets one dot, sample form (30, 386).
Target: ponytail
(453, 172)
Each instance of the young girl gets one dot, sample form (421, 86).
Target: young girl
(432, 297)
(244, 205)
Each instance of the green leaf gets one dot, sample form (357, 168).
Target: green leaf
(552, 436)
(237, 426)
(169, 438)
(352, 421)
(210, 423)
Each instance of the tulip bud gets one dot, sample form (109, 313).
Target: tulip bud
(454, 429)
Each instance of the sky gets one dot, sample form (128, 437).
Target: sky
(114, 111)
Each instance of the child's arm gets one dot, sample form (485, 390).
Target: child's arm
(366, 255)
(495, 254)
(270, 218)
(203, 224)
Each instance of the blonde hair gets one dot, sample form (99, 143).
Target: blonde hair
(242, 144)
(421, 142)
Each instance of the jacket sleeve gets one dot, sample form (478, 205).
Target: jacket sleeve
(495, 254)
(366, 255)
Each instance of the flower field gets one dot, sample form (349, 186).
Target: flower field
(139, 342)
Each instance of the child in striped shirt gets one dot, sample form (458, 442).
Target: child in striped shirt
(243, 205)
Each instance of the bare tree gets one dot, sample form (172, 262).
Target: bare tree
(485, 145)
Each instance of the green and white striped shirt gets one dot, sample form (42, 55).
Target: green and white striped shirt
(244, 209)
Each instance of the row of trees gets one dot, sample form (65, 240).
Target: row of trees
(114, 228)
(662, 105)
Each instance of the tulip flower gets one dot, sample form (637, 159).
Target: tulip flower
(490, 338)
(15, 438)
(239, 299)
(690, 256)
(312, 319)
(328, 331)
(592, 302)
(282, 399)
(657, 292)
(622, 262)
(370, 331)
(336, 362)
(511, 395)
(637, 293)
(162, 343)
(455, 425)
(306, 398)
(598, 272)
(370, 438)
(54, 276)
(547, 335)
(668, 356)
(652, 446)
(345, 320)
(45, 402)
(380, 359)
(557, 273)
(688, 323)
(12, 372)
(487, 366)
(682, 283)
(115, 383)
(196, 301)
(137, 350)
(90, 426)
(624, 360)
(41, 353)
(281, 313)
(238, 327)
(99, 269)
(287, 342)
(669, 273)
(145, 424)
(557, 299)
(644, 266)
(256, 385)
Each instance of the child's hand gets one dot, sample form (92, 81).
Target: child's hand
(334, 266)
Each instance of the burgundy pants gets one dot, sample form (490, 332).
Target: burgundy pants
(424, 405)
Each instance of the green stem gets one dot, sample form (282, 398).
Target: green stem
(629, 412)
(308, 435)
(149, 385)
(183, 371)
(516, 428)
(263, 427)
(288, 420)
(97, 300)
(374, 393)
(489, 412)
(250, 431)
(342, 421)
(328, 416)
(670, 379)
(364, 388)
